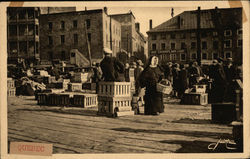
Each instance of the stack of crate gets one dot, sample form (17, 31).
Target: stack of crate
(114, 99)
(11, 89)
(199, 97)
(85, 100)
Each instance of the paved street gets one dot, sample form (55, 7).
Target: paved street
(181, 128)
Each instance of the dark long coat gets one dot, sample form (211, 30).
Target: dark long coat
(153, 100)
(111, 69)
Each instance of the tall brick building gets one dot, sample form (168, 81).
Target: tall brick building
(220, 35)
(132, 41)
(23, 33)
(62, 32)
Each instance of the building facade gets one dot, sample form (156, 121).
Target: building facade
(132, 41)
(219, 35)
(62, 32)
(23, 34)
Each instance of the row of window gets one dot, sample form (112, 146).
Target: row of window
(23, 29)
(62, 55)
(193, 35)
(74, 22)
(24, 46)
(193, 56)
(24, 14)
(62, 39)
(227, 44)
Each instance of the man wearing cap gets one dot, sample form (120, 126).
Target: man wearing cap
(111, 67)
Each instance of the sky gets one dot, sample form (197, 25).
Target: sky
(158, 12)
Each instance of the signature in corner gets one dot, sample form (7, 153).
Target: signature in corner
(214, 145)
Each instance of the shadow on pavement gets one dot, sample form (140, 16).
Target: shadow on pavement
(192, 121)
(198, 147)
(64, 111)
(184, 133)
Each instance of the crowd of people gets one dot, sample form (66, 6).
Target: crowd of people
(221, 75)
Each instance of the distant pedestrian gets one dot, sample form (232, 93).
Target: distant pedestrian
(183, 78)
(126, 72)
(176, 80)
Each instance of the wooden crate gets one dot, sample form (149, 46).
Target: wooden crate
(114, 89)
(201, 88)
(195, 99)
(10, 83)
(11, 92)
(42, 98)
(80, 77)
(75, 87)
(85, 100)
(111, 105)
(223, 112)
(89, 86)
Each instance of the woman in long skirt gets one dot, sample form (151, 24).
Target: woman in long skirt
(150, 76)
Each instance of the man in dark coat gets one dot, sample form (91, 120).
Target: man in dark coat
(230, 73)
(220, 82)
(111, 67)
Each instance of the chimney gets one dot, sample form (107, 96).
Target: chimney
(179, 22)
(137, 27)
(150, 24)
(85, 8)
(105, 10)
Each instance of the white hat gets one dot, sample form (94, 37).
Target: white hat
(107, 50)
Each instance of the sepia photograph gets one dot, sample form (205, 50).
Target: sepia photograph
(102, 78)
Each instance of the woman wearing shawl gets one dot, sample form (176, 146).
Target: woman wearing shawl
(149, 77)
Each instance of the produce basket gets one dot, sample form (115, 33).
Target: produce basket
(164, 86)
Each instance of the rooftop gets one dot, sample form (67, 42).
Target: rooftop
(187, 20)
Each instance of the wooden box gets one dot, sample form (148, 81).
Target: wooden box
(223, 112)
(11, 92)
(195, 99)
(10, 83)
(89, 86)
(112, 105)
(114, 89)
(200, 88)
(85, 100)
(80, 77)
(42, 98)
(75, 87)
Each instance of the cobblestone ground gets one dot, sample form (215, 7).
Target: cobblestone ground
(181, 128)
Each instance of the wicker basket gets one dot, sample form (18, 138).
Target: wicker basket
(164, 87)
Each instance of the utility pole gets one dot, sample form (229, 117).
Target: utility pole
(88, 44)
(110, 29)
(198, 36)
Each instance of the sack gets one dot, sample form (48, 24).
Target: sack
(164, 86)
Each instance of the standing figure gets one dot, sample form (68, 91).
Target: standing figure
(220, 82)
(150, 76)
(176, 80)
(183, 76)
(111, 67)
(230, 72)
(126, 72)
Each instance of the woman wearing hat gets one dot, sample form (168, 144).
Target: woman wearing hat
(150, 76)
